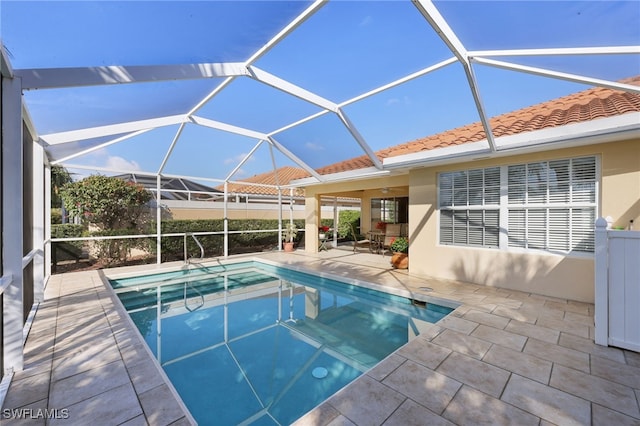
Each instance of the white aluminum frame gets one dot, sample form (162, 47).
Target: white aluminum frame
(12, 223)
(229, 71)
(40, 218)
(15, 115)
(54, 78)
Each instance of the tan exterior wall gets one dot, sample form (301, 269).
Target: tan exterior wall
(180, 213)
(565, 276)
(620, 195)
(186, 214)
(312, 206)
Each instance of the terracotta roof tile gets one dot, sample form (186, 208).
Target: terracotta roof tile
(590, 104)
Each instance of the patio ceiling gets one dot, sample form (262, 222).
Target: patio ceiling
(220, 91)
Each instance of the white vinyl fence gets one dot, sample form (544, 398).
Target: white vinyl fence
(617, 287)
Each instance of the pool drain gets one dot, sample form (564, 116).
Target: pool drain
(320, 372)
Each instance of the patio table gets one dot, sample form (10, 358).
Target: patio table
(376, 241)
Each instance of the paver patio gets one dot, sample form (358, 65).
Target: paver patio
(502, 357)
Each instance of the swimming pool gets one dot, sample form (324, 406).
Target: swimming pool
(252, 343)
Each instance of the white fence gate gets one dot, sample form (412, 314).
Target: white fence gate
(617, 290)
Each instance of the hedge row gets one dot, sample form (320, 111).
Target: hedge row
(240, 241)
(69, 230)
(68, 250)
(243, 242)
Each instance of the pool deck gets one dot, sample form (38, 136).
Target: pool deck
(502, 357)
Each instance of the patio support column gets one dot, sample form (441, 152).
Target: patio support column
(279, 218)
(38, 194)
(12, 223)
(158, 220)
(226, 220)
(312, 221)
(47, 222)
(291, 205)
(335, 222)
(365, 213)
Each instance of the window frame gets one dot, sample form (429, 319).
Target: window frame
(504, 207)
(391, 209)
(473, 203)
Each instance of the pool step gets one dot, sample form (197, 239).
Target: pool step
(329, 328)
(180, 274)
(136, 299)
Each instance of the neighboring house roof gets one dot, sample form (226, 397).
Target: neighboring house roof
(172, 188)
(583, 106)
(285, 175)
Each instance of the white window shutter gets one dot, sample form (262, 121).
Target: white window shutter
(548, 205)
(559, 229)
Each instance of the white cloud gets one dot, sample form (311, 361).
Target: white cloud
(238, 158)
(101, 158)
(314, 146)
(239, 174)
(405, 100)
(102, 152)
(119, 163)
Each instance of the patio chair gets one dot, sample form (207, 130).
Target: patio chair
(359, 242)
(392, 231)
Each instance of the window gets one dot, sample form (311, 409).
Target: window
(470, 207)
(552, 204)
(391, 210)
(547, 205)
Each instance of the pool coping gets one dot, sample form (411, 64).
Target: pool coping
(133, 329)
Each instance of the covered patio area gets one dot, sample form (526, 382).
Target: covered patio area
(502, 357)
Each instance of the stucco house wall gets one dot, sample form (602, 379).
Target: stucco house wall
(559, 275)
(207, 210)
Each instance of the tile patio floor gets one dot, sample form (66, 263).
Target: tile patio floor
(502, 357)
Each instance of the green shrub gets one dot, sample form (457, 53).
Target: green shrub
(243, 242)
(59, 178)
(346, 219)
(56, 216)
(107, 202)
(114, 251)
(68, 230)
(114, 206)
(67, 250)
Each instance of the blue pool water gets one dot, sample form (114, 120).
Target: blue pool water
(250, 343)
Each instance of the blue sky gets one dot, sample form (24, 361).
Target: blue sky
(345, 49)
